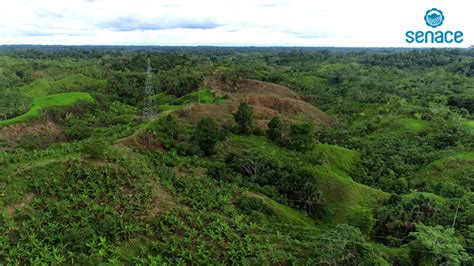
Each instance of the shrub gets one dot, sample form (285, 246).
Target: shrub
(170, 131)
(31, 142)
(253, 204)
(344, 245)
(94, 148)
(77, 132)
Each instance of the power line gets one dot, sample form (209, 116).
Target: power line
(455, 215)
(313, 237)
(335, 204)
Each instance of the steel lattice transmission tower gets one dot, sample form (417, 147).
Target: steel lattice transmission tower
(149, 109)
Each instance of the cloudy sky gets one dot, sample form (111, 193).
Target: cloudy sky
(373, 23)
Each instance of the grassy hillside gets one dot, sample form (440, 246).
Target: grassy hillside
(170, 103)
(348, 201)
(345, 200)
(457, 170)
(200, 96)
(76, 82)
(45, 102)
(415, 125)
(37, 89)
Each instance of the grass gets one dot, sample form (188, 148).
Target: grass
(338, 157)
(45, 102)
(369, 112)
(164, 98)
(203, 96)
(48, 93)
(349, 200)
(169, 107)
(415, 125)
(457, 169)
(76, 82)
(286, 213)
(388, 122)
(37, 89)
(334, 178)
(428, 195)
(470, 124)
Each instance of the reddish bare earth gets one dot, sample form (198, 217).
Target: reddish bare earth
(47, 130)
(140, 141)
(267, 99)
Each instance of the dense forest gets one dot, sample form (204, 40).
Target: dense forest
(286, 156)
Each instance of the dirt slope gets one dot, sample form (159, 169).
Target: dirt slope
(267, 99)
(48, 131)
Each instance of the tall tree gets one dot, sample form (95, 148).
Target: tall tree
(275, 130)
(344, 245)
(207, 134)
(436, 246)
(302, 136)
(243, 117)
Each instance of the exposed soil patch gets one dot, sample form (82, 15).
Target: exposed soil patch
(48, 131)
(288, 107)
(267, 99)
(163, 201)
(23, 203)
(247, 86)
(224, 113)
(141, 141)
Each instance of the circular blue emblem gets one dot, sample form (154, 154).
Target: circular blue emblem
(434, 18)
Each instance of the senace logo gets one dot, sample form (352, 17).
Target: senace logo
(434, 18)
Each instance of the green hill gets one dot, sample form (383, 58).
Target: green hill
(168, 102)
(442, 174)
(347, 201)
(45, 102)
(71, 83)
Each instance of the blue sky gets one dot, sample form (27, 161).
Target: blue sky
(372, 23)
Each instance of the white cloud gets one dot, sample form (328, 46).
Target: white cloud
(206, 22)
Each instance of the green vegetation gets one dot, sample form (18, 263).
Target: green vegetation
(301, 136)
(470, 124)
(243, 118)
(207, 135)
(94, 148)
(37, 89)
(275, 130)
(451, 175)
(436, 245)
(168, 102)
(77, 82)
(416, 125)
(42, 103)
(201, 96)
(383, 175)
